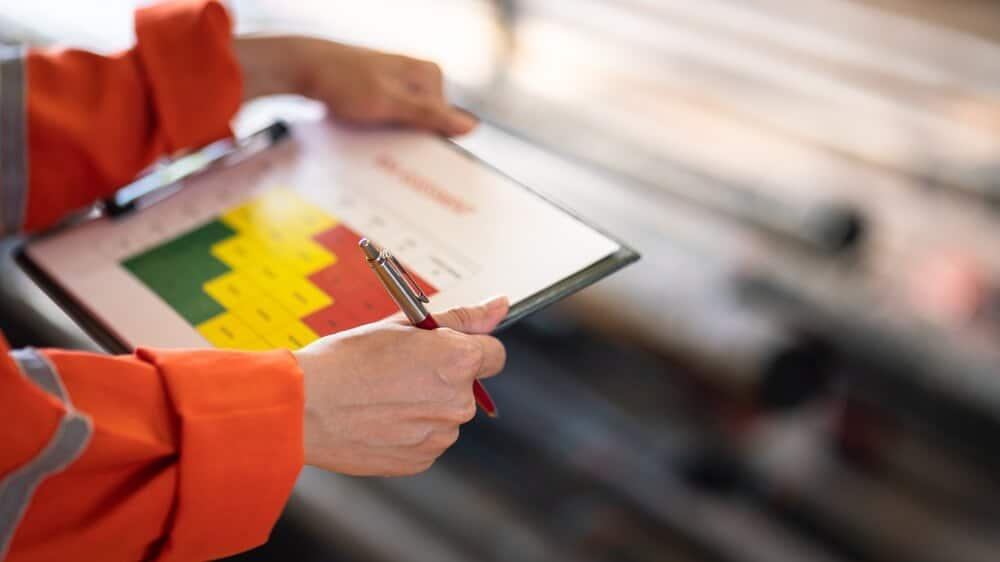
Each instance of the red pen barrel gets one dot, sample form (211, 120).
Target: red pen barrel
(428, 323)
(483, 397)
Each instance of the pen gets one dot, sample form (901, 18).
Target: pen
(411, 299)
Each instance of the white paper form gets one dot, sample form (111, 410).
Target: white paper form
(263, 254)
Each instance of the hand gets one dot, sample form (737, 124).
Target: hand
(387, 399)
(358, 85)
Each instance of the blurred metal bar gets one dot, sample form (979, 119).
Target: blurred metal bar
(587, 435)
(346, 512)
(922, 374)
(880, 520)
(774, 88)
(476, 516)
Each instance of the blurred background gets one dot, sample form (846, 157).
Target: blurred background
(805, 366)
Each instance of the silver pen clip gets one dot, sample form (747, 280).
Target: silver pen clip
(415, 289)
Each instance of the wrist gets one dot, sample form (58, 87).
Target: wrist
(270, 65)
(311, 418)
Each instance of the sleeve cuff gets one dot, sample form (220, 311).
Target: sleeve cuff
(186, 49)
(240, 417)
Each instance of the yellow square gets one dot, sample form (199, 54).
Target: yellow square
(270, 275)
(263, 314)
(293, 335)
(226, 331)
(312, 221)
(272, 239)
(297, 256)
(231, 290)
(279, 214)
(240, 252)
(306, 257)
(237, 218)
(286, 209)
(299, 296)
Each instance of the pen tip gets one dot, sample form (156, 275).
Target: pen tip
(369, 248)
(493, 415)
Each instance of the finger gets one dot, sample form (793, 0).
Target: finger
(480, 319)
(427, 80)
(468, 120)
(425, 77)
(416, 111)
(494, 356)
(434, 115)
(438, 441)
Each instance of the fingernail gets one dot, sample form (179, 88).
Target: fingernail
(495, 303)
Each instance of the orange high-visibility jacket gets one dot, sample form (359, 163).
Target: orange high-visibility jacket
(164, 455)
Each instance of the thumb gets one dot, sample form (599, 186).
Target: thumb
(480, 319)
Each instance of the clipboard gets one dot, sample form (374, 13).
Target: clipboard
(163, 184)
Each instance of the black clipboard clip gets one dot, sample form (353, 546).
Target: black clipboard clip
(165, 179)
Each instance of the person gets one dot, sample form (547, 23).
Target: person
(191, 454)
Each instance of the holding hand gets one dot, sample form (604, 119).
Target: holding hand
(358, 85)
(388, 399)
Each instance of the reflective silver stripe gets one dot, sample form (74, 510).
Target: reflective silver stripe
(41, 372)
(13, 139)
(66, 444)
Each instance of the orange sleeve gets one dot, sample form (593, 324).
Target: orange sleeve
(174, 455)
(94, 122)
